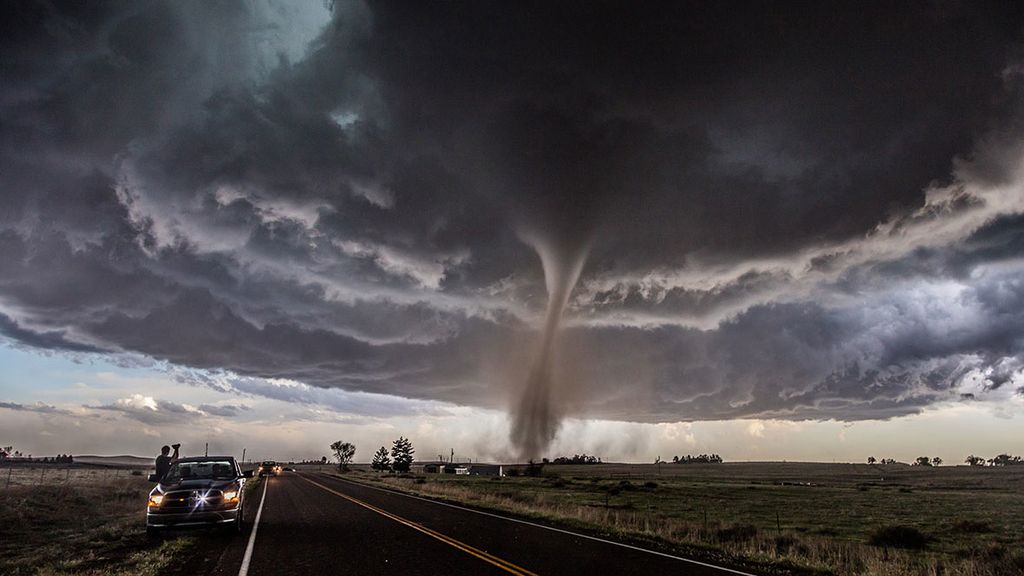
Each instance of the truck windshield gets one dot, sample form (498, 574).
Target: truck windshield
(204, 470)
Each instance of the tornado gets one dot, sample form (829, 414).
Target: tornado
(536, 418)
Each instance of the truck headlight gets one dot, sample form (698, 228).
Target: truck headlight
(155, 500)
(231, 496)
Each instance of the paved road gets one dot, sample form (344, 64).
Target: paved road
(319, 524)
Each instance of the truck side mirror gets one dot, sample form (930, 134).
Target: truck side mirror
(247, 474)
(154, 478)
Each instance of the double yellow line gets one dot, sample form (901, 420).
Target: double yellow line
(489, 558)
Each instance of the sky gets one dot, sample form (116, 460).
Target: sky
(764, 231)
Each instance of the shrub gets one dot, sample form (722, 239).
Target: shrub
(785, 543)
(906, 537)
(737, 533)
(1017, 561)
(971, 527)
(650, 485)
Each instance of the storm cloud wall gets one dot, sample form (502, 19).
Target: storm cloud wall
(788, 210)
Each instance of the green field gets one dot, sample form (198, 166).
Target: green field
(817, 516)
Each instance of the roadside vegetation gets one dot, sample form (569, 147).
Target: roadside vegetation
(843, 519)
(57, 521)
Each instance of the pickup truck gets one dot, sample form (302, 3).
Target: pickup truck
(201, 491)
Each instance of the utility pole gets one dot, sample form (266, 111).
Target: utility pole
(207, 451)
(243, 455)
(452, 459)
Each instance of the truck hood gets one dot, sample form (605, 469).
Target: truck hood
(197, 485)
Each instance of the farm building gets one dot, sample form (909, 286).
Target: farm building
(487, 470)
(463, 469)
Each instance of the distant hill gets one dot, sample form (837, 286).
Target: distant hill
(123, 460)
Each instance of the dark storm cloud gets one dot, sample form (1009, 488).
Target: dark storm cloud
(56, 340)
(799, 213)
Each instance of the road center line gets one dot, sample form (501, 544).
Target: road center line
(244, 569)
(535, 525)
(486, 557)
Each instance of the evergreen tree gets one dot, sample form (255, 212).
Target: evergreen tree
(381, 462)
(401, 453)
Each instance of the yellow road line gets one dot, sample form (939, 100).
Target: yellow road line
(489, 558)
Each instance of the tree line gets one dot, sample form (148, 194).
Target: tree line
(575, 459)
(701, 459)
(1000, 460)
(8, 452)
(972, 460)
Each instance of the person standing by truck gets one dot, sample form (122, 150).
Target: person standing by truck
(164, 461)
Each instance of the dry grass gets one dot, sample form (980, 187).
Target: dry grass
(70, 475)
(779, 517)
(78, 521)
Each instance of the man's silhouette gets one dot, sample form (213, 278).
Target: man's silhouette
(163, 461)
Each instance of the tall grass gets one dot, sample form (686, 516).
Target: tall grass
(782, 550)
(78, 523)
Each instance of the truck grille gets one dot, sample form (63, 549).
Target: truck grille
(192, 499)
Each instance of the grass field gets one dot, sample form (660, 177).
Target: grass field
(57, 521)
(806, 516)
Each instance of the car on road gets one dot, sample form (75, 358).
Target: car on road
(269, 468)
(200, 491)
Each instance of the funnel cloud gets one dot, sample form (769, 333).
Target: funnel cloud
(535, 420)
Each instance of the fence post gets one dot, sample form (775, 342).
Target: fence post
(42, 472)
(9, 472)
(67, 477)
